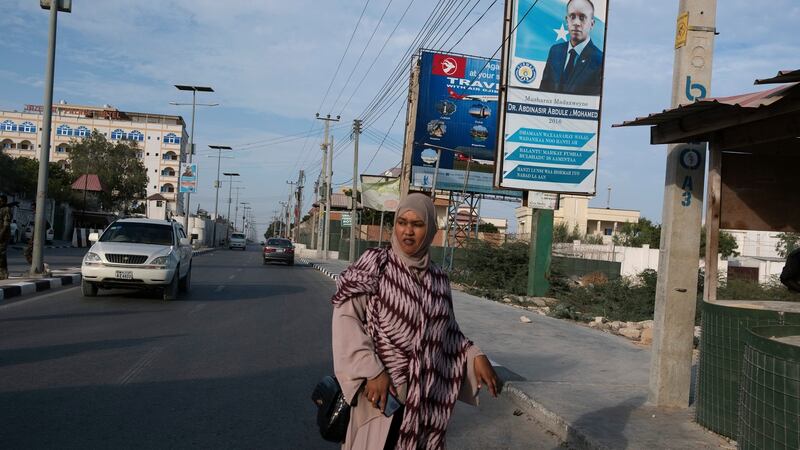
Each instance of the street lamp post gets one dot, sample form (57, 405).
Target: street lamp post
(40, 233)
(219, 149)
(244, 213)
(195, 90)
(230, 176)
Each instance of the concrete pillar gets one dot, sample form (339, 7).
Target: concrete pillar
(676, 292)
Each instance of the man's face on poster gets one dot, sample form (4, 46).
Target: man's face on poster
(580, 20)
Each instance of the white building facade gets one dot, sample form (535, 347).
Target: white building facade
(162, 139)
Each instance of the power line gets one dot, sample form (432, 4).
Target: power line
(471, 26)
(347, 48)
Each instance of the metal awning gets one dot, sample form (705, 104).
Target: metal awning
(90, 182)
(783, 76)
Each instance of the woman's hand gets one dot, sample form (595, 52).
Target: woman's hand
(485, 374)
(376, 390)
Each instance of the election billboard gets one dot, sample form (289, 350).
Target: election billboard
(456, 124)
(188, 178)
(549, 121)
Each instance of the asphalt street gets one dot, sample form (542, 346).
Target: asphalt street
(56, 258)
(231, 364)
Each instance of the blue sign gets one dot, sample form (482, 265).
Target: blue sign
(188, 178)
(457, 111)
(550, 156)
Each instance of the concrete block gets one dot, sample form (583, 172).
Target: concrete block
(647, 336)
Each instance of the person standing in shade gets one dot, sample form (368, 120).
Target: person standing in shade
(395, 333)
(575, 66)
(5, 235)
(29, 247)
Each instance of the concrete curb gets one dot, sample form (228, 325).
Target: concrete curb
(570, 436)
(28, 287)
(322, 269)
(202, 251)
(46, 247)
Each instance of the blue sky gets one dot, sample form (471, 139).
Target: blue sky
(271, 62)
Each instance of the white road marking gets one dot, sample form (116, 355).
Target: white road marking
(232, 277)
(143, 363)
(239, 269)
(219, 288)
(197, 308)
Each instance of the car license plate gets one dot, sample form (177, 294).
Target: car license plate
(124, 274)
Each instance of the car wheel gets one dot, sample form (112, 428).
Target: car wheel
(171, 290)
(89, 289)
(186, 281)
(291, 263)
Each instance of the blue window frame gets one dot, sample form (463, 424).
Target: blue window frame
(171, 138)
(168, 172)
(168, 188)
(8, 125)
(118, 134)
(81, 132)
(64, 130)
(136, 135)
(27, 127)
(170, 156)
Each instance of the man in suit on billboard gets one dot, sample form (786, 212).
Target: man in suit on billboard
(575, 66)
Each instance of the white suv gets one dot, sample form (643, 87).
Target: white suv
(139, 253)
(237, 241)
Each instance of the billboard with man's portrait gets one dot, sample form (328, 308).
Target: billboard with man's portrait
(550, 112)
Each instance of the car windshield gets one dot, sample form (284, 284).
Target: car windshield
(279, 243)
(237, 236)
(138, 233)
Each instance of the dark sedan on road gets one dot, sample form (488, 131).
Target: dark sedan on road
(279, 250)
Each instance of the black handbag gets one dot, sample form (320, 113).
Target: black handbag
(333, 413)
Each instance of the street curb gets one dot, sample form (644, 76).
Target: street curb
(46, 247)
(322, 269)
(34, 286)
(202, 251)
(569, 436)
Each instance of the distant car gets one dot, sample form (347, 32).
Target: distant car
(48, 237)
(280, 250)
(237, 241)
(139, 253)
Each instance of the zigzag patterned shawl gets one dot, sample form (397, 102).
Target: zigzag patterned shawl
(411, 322)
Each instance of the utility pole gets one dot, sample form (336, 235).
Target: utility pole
(236, 213)
(301, 178)
(322, 232)
(219, 149)
(245, 206)
(354, 194)
(289, 209)
(676, 290)
(411, 120)
(230, 176)
(40, 232)
(282, 216)
(315, 219)
(328, 194)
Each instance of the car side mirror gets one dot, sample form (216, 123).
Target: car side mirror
(186, 241)
(94, 237)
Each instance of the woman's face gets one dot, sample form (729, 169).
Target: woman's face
(410, 231)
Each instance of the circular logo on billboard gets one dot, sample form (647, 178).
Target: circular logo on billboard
(525, 72)
(690, 159)
(449, 66)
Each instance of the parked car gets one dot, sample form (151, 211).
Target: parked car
(280, 250)
(237, 240)
(139, 253)
(48, 237)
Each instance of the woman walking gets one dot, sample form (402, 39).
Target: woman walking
(395, 334)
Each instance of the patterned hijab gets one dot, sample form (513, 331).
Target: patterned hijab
(422, 205)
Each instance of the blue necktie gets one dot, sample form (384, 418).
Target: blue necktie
(573, 55)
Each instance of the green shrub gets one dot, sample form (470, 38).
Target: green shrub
(493, 271)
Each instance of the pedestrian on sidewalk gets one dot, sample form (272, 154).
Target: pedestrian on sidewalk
(5, 235)
(395, 333)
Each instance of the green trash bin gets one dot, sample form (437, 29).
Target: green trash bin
(769, 402)
(724, 335)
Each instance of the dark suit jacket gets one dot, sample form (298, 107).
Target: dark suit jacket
(586, 78)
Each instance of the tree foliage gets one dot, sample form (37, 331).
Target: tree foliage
(20, 176)
(787, 242)
(562, 234)
(727, 244)
(118, 166)
(643, 232)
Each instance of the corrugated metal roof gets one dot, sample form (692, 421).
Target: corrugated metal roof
(89, 183)
(783, 76)
(157, 196)
(751, 101)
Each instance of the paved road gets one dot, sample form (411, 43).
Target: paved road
(229, 365)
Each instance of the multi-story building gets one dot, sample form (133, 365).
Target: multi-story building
(161, 139)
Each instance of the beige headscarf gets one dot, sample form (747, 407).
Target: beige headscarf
(422, 205)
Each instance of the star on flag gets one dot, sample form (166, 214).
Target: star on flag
(562, 33)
